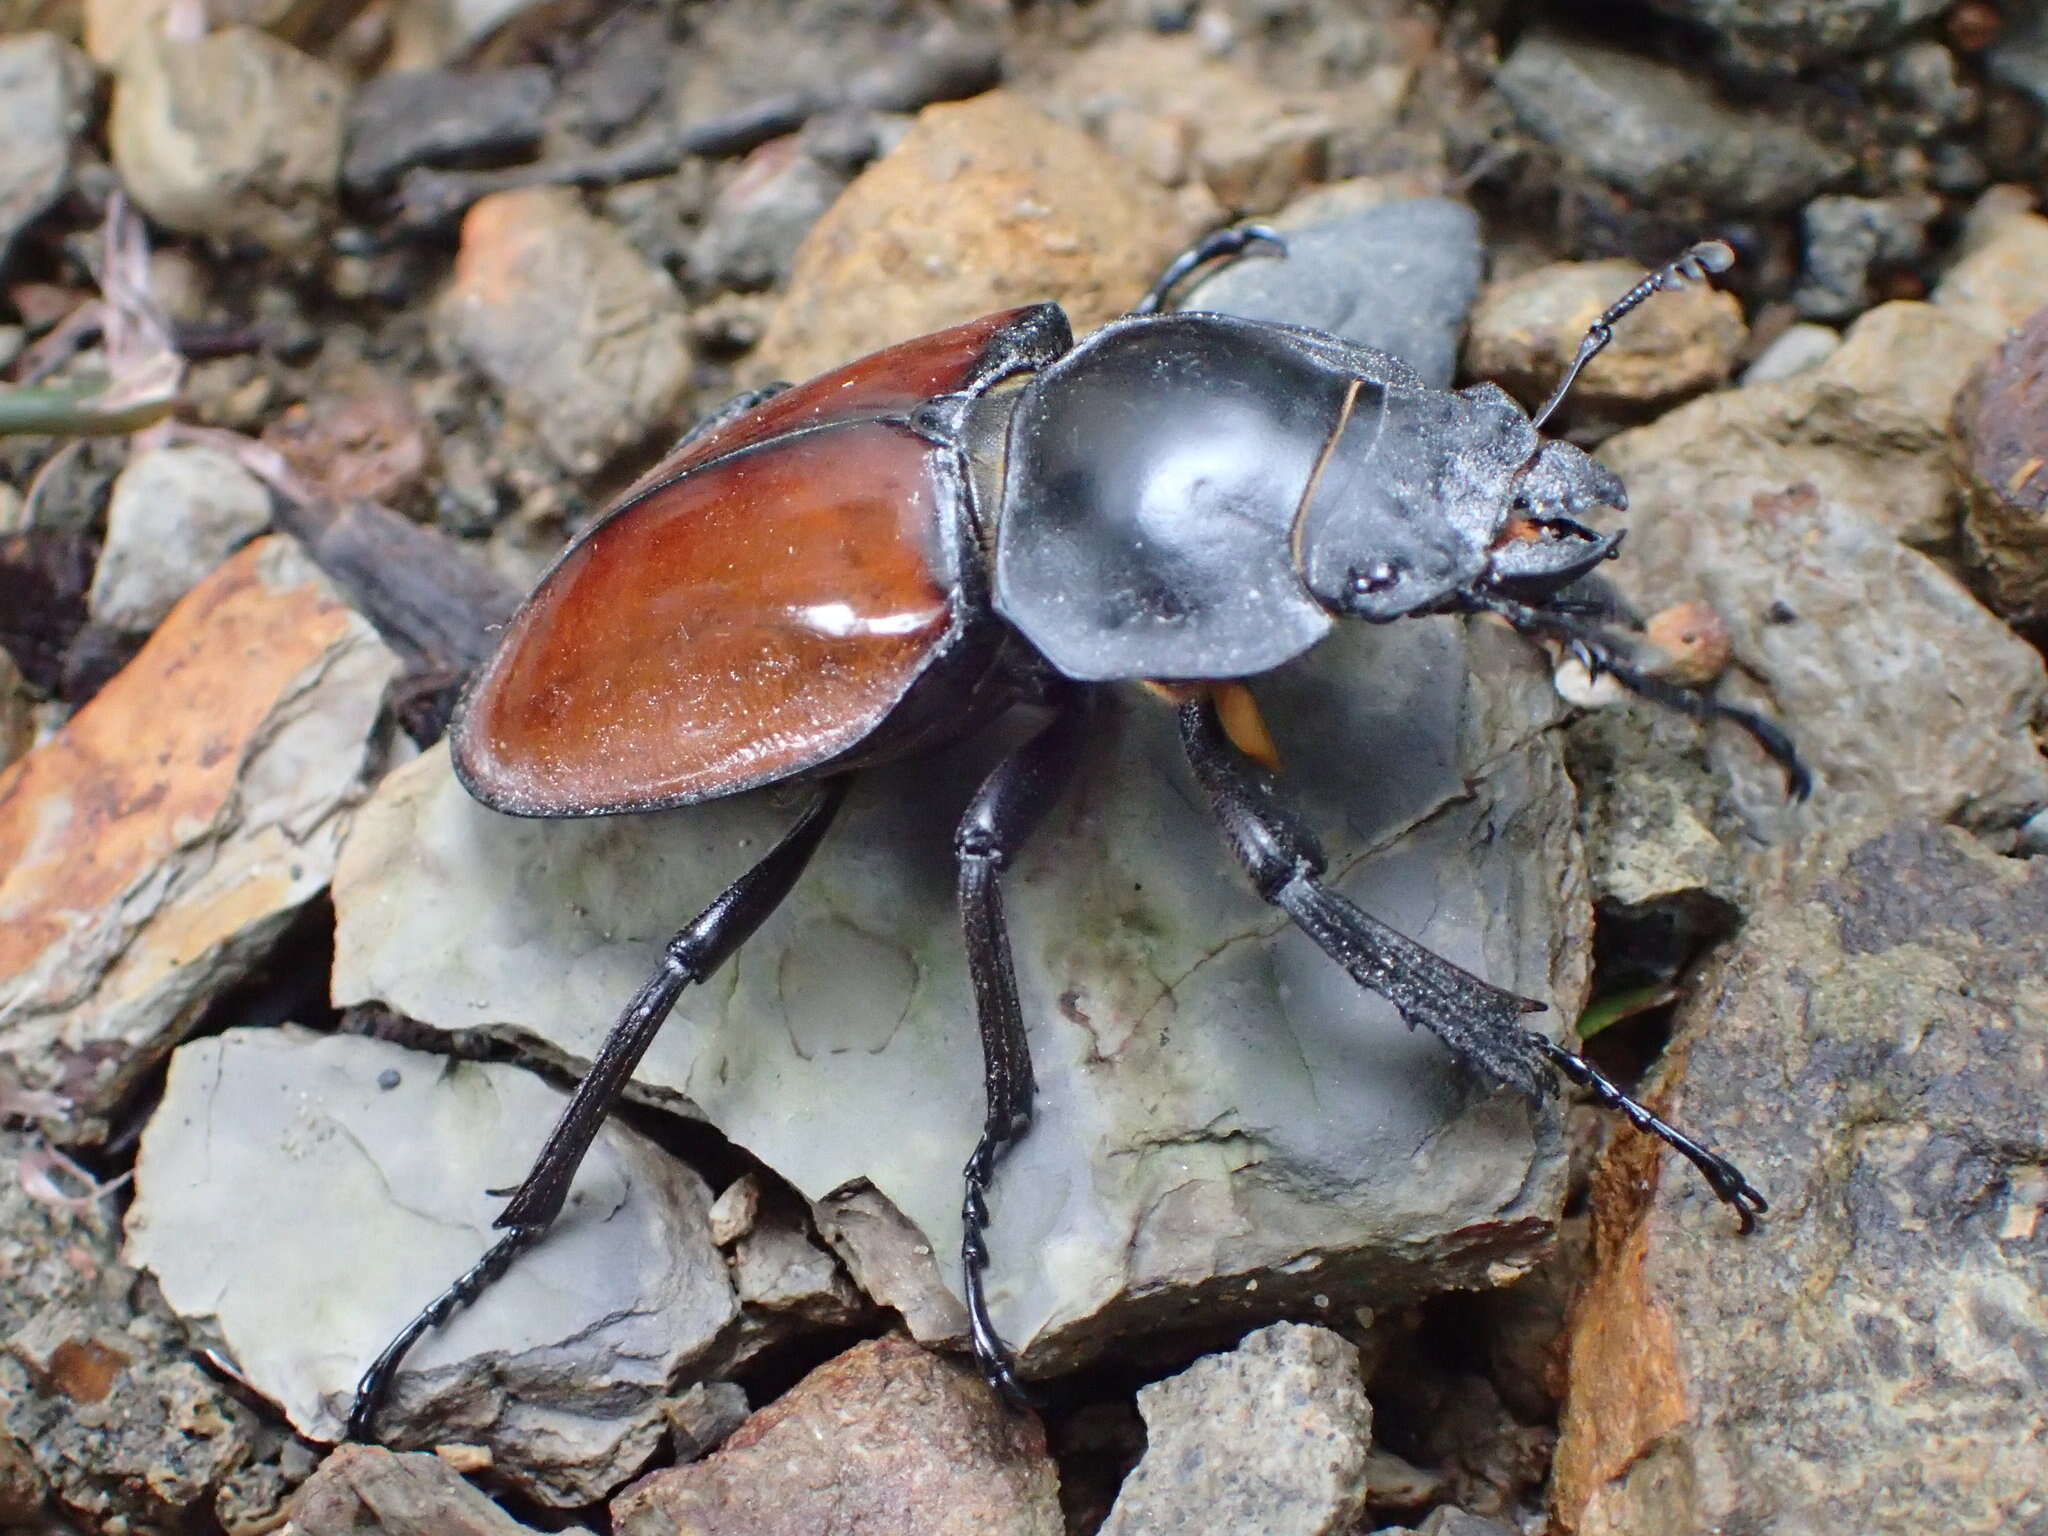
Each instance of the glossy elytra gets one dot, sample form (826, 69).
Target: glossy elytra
(880, 561)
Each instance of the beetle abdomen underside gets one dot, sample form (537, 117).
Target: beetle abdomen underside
(753, 619)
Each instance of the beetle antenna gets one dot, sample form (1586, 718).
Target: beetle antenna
(1597, 653)
(1212, 247)
(1693, 265)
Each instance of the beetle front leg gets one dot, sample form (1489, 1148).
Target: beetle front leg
(1480, 1023)
(1010, 803)
(691, 956)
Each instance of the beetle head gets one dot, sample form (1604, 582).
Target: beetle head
(1426, 498)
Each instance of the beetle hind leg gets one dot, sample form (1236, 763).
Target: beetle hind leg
(1010, 803)
(691, 956)
(1480, 1023)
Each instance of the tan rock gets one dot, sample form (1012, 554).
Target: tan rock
(2004, 277)
(1526, 330)
(584, 337)
(153, 849)
(1176, 110)
(236, 136)
(1869, 426)
(985, 204)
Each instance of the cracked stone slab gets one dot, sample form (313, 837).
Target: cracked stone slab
(1227, 1125)
(149, 857)
(304, 1195)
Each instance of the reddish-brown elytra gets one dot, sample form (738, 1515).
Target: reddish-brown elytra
(757, 607)
(877, 561)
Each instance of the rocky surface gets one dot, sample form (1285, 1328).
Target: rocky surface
(983, 206)
(175, 514)
(886, 1438)
(1657, 131)
(1526, 331)
(150, 857)
(1229, 1133)
(1400, 276)
(365, 1488)
(1875, 1042)
(1905, 693)
(579, 334)
(1269, 1437)
(45, 99)
(2001, 278)
(270, 1141)
(2001, 424)
(1777, 38)
(1177, 1154)
(236, 136)
(105, 1416)
(441, 118)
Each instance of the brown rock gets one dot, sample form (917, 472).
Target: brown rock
(364, 439)
(235, 135)
(1694, 642)
(1525, 331)
(2001, 426)
(1873, 1050)
(362, 1489)
(17, 713)
(1869, 427)
(1173, 108)
(886, 1439)
(152, 850)
(985, 204)
(583, 337)
(891, 1261)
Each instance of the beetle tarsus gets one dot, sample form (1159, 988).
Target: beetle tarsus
(1597, 653)
(1214, 246)
(1723, 1177)
(376, 1381)
(692, 955)
(1477, 1021)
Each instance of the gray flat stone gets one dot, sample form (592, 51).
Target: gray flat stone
(45, 97)
(1223, 1116)
(1400, 276)
(1657, 131)
(305, 1204)
(175, 514)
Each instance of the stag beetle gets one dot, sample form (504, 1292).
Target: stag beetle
(877, 562)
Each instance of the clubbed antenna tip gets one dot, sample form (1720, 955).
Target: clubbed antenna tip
(1693, 265)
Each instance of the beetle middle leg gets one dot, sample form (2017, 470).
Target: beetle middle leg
(692, 955)
(1480, 1023)
(1214, 246)
(1010, 803)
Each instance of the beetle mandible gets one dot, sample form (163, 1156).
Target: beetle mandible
(873, 564)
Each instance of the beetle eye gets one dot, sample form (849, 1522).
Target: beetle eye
(1375, 578)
